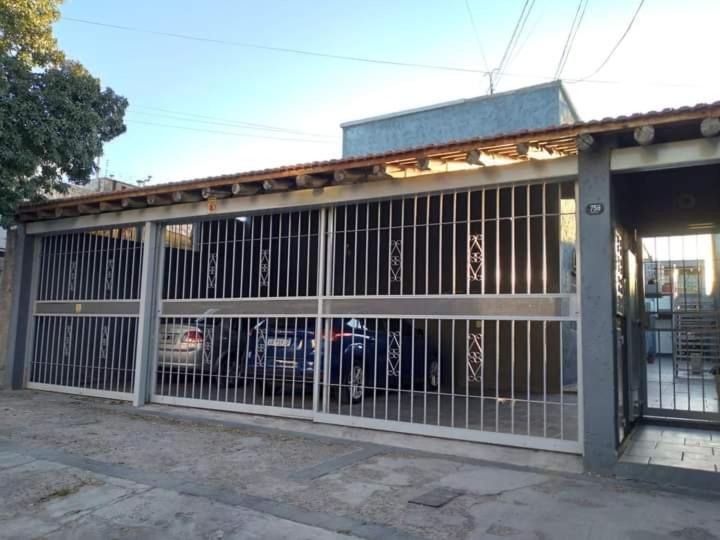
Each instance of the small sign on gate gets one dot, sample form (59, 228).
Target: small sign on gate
(212, 204)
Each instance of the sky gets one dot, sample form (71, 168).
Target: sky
(191, 100)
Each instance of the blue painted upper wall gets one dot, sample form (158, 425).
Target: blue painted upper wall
(533, 107)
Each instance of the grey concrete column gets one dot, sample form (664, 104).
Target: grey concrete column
(17, 347)
(148, 317)
(597, 306)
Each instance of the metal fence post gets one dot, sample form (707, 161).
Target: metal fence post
(150, 276)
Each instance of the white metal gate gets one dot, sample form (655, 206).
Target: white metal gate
(238, 314)
(682, 342)
(455, 315)
(85, 313)
(451, 314)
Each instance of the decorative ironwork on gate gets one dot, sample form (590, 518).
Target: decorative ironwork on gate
(394, 354)
(396, 261)
(475, 357)
(104, 338)
(475, 258)
(212, 271)
(109, 273)
(265, 268)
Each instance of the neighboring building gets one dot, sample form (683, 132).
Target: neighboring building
(489, 289)
(530, 108)
(105, 184)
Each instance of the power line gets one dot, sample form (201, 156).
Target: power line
(479, 44)
(388, 62)
(517, 31)
(574, 27)
(518, 50)
(219, 132)
(277, 49)
(193, 117)
(612, 52)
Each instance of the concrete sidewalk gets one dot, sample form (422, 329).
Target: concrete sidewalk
(85, 468)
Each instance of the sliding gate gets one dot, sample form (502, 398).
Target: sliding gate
(85, 314)
(451, 315)
(239, 312)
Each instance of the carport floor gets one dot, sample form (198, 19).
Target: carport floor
(680, 447)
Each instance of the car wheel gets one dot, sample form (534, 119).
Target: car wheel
(354, 387)
(433, 375)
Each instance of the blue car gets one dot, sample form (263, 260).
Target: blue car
(360, 357)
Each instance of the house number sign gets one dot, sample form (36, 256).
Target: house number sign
(594, 209)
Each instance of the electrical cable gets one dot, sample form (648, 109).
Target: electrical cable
(574, 27)
(615, 48)
(278, 49)
(230, 132)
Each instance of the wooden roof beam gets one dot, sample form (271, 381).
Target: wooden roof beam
(584, 142)
(349, 176)
(158, 200)
(130, 202)
(110, 206)
(644, 135)
(379, 172)
(245, 189)
(710, 127)
(487, 159)
(310, 181)
(536, 152)
(66, 211)
(276, 184)
(429, 164)
(88, 208)
(186, 196)
(216, 193)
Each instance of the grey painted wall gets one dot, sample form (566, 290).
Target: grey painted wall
(597, 310)
(526, 108)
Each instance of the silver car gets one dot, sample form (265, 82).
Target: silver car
(202, 345)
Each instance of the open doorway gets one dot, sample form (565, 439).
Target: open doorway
(668, 316)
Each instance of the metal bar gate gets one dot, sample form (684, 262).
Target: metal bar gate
(85, 314)
(450, 314)
(682, 341)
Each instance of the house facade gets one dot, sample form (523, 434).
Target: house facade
(492, 289)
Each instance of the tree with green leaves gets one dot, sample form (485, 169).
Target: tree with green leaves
(54, 116)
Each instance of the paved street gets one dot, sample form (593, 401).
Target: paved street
(86, 468)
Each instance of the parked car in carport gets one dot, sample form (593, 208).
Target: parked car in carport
(203, 345)
(359, 357)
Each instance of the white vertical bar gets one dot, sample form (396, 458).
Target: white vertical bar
(497, 375)
(513, 273)
(497, 240)
(512, 376)
(467, 364)
(482, 375)
(454, 248)
(545, 368)
(529, 370)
